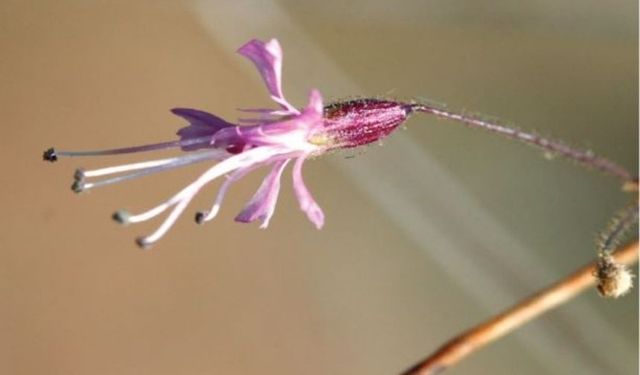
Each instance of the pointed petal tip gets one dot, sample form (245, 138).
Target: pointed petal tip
(315, 101)
(308, 205)
(264, 225)
(251, 43)
(315, 215)
(262, 205)
(267, 57)
(272, 46)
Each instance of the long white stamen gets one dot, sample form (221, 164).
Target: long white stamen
(126, 218)
(205, 155)
(144, 168)
(150, 214)
(166, 225)
(246, 159)
(204, 216)
(127, 167)
(157, 210)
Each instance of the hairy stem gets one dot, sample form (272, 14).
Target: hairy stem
(583, 157)
(475, 338)
(618, 227)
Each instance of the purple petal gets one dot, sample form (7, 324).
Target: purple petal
(281, 131)
(307, 203)
(263, 203)
(267, 57)
(315, 105)
(201, 124)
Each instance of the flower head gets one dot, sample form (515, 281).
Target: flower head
(272, 139)
(614, 279)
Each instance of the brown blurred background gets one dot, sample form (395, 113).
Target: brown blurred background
(434, 231)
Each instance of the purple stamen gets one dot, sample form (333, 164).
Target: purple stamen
(52, 154)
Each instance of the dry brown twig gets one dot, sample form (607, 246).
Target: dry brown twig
(475, 338)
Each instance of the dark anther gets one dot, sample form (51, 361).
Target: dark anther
(142, 243)
(77, 186)
(50, 155)
(200, 217)
(79, 174)
(122, 217)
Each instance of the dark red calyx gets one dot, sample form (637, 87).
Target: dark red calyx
(358, 122)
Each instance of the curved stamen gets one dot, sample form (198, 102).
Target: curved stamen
(149, 214)
(145, 242)
(182, 199)
(124, 217)
(204, 216)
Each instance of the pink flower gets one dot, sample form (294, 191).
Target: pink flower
(273, 139)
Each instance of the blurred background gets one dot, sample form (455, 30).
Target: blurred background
(430, 233)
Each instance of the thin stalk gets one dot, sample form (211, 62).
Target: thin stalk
(619, 226)
(582, 157)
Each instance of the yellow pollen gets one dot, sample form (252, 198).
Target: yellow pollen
(319, 140)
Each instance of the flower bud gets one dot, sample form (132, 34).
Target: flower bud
(614, 279)
(359, 122)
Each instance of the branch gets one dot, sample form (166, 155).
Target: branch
(484, 333)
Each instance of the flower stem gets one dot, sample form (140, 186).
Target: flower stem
(620, 225)
(475, 338)
(583, 157)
